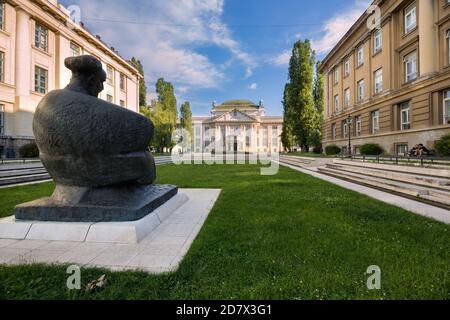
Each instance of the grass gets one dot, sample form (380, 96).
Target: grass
(288, 236)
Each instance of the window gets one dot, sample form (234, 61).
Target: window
(448, 47)
(377, 41)
(333, 131)
(2, 66)
(336, 75)
(265, 142)
(360, 56)
(122, 103)
(122, 81)
(446, 112)
(405, 112)
(378, 80)
(2, 15)
(358, 126)
(360, 90)
(410, 18)
(344, 129)
(401, 149)
(40, 80)
(2, 119)
(347, 68)
(375, 116)
(336, 103)
(109, 98)
(410, 63)
(275, 137)
(40, 37)
(109, 75)
(347, 97)
(75, 49)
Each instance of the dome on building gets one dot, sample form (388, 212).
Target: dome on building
(237, 104)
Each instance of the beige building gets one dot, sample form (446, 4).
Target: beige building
(35, 38)
(394, 80)
(237, 126)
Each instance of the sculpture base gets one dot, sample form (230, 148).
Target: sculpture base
(106, 204)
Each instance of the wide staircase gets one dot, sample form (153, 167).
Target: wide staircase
(426, 184)
(19, 172)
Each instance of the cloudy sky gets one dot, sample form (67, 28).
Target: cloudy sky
(218, 49)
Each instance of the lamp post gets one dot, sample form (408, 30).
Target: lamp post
(349, 124)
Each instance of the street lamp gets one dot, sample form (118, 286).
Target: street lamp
(349, 125)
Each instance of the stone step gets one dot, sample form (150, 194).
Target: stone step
(431, 182)
(300, 162)
(22, 173)
(31, 178)
(441, 199)
(422, 171)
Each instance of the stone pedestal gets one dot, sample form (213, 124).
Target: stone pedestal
(124, 202)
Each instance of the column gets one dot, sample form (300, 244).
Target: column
(428, 53)
(23, 55)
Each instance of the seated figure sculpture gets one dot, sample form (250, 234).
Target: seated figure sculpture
(95, 151)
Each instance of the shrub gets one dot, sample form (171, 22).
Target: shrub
(317, 150)
(443, 145)
(332, 150)
(29, 151)
(371, 149)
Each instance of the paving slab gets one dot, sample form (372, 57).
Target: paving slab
(158, 252)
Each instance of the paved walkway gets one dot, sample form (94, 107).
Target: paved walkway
(420, 208)
(161, 251)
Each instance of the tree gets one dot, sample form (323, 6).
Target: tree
(299, 102)
(286, 134)
(142, 86)
(186, 117)
(167, 100)
(315, 136)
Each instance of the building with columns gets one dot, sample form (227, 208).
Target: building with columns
(237, 126)
(392, 79)
(35, 38)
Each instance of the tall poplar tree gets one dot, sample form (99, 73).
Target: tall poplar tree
(142, 86)
(315, 137)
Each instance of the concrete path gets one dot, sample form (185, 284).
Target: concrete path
(161, 251)
(420, 208)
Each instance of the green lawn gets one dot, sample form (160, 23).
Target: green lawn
(288, 236)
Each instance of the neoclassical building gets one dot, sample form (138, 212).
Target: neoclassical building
(35, 38)
(237, 126)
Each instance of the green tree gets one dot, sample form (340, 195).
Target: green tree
(142, 86)
(186, 118)
(299, 99)
(315, 136)
(286, 134)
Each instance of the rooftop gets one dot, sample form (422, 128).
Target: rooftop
(237, 104)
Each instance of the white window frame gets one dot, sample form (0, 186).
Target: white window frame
(122, 82)
(333, 131)
(410, 60)
(109, 98)
(40, 36)
(40, 77)
(360, 86)
(360, 55)
(358, 126)
(75, 50)
(446, 108)
(378, 80)
(375, 118)
(109, 75)
(336, 75)
(405, 116)
(2, 119)
(347, 68)
(377, 41)
(2, 66)
(410, 12)
(336, 103)
(347, 97)
(2, 15)
(344, 129)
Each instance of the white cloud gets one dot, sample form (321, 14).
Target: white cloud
(336, 27)
(282, 59)
(253, 86)
(164, 35)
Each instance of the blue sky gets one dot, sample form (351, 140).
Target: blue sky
(218, 49)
